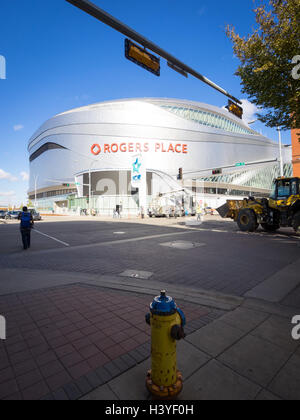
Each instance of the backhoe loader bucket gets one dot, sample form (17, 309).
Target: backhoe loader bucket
(224, 210)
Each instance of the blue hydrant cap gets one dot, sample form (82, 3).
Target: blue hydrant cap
(163, 305)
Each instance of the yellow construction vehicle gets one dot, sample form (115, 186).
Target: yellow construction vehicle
(282, 209)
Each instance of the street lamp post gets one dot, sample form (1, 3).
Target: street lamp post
(90, 181)
(280, 152)
(35, 191)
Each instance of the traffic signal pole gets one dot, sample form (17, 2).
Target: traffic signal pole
(114, 23)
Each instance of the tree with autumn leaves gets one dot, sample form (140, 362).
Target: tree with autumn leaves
(269, 58)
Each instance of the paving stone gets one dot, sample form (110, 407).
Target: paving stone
(48, 397)
(94, 380)
(215, 338)
(8, 388)
(36, 391)
(79, 370)
(73, 391)
(265, 395)
(46, 358)
(277, 330)
(138, 357)
(130, 362)
(103, 393)
(15, 397)
(120, 363)
(244, 319)
(286, 384)
(51, 369)
(256, 359)
(6, 375)
(217, 382)
(58, 380)
(112, 368)
(29, 379)
(73, 360)
(84, 385)
(189, 358)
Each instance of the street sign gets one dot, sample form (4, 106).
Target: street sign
(240, 164)
(235, 109)
(141, 57)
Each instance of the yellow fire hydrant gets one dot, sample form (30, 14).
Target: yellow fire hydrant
(167, 322)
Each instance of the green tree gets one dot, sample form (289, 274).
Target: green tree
(269, 57)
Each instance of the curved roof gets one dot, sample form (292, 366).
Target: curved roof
(204, 114)
(163, 102)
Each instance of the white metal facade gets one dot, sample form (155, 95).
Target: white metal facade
(169, 133)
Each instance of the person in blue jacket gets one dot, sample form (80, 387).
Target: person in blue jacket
(26, 225)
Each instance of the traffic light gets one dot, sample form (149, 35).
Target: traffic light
(141, 57)
(235, 109)
(65, 185)
(180, 174)
(217, 172)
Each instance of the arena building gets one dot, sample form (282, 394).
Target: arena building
(131, 154)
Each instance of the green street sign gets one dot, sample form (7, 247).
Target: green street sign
(240, 164)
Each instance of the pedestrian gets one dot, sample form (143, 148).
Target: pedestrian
(26, 225)
(199, 214)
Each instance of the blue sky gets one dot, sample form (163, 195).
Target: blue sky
(58, 58)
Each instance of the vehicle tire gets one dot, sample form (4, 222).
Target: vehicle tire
(247, 221)
(296, 222)
(269, 228)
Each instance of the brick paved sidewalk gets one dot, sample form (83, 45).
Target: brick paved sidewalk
(64, 342)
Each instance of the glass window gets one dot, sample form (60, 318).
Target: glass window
(283, 189)
(294, 188)
(208, 118)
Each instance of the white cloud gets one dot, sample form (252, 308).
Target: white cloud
(7, 176)
(18, 127)
(24, 175)
(250, 111)
(7, 193)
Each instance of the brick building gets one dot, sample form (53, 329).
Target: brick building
(296, 152)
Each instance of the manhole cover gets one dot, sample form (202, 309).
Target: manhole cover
(137, 274)
(183, 244)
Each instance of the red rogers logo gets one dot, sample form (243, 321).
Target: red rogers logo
(96, 149)
(140, 148)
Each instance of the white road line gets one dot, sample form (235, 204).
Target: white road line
(51, 237)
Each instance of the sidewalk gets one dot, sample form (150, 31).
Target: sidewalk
(244, 355)
(90, 341)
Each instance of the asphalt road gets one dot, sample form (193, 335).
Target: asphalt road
(213, 256)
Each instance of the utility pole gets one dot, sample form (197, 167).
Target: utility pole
(35, 190)
(172, 61)
(280, 152)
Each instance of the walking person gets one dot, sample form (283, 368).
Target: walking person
(26, 225)
(199, 214)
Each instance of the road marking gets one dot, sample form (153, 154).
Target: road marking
(109, 243)
(51, 237)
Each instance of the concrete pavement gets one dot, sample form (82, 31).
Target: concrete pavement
(81, 334)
